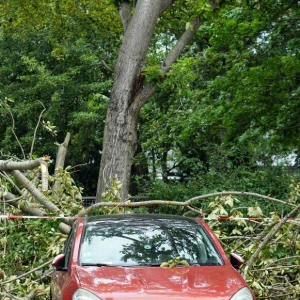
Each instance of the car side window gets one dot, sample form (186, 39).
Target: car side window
(68, 247)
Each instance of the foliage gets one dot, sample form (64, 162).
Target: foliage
(112, 194)
(172, 263)
(67, 196)
(275, 272)
(234, 92)
(272, 181)
(24, 243)
(235, 89)
(225, 109)
(43, 66)
(31, 243)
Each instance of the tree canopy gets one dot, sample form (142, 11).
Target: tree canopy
(233, 94)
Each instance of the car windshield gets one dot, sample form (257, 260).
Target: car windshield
(146, 243)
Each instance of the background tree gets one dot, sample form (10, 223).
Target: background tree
(57, 60)
(230, 102)
(216, 108)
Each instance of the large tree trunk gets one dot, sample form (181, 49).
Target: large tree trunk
(120, 135)
(119, 147)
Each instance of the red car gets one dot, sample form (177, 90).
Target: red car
(145, 257)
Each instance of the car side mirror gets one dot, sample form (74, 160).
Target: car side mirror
(236, 260)
(58, 262)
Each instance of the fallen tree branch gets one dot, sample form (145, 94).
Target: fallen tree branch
(6, 295)
(267, 239)
(60, 158)
(45, 176)
(34, 210)
(9, 165)
(237, 193)
(186, 203)
(30, 209)
(35, 192)
(8, 179)
(27, 273)
(64, 228)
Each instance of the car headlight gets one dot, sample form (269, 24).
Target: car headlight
(242, 294)
(82, 294)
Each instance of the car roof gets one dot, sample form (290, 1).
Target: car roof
(139, 218)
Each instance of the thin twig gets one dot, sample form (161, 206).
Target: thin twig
(27, 273)
(11, 200)
(277, 267)
(36, 128)
(107, 67)
(14, 133)
(7, 178)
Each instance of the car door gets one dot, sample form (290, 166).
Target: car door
(61, 278)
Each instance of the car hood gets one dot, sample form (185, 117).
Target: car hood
(143, 283)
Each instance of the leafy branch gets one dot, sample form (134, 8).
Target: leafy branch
(186, 203)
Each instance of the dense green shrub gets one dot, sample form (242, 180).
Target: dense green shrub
(266, 181)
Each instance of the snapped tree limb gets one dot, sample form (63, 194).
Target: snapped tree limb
(29, 209)
(60, 158)
(9, 165)
(45, 176)
(34, 210)
(186, 203)
(62, 152)
(35, 192)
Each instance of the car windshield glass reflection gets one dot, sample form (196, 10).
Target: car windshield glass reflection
(132, 244)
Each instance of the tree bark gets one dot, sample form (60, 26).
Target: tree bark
(35, 192)
(31, 209)
(62, 152)
(120, 133)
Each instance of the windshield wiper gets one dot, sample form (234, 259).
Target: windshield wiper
(97, 265)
